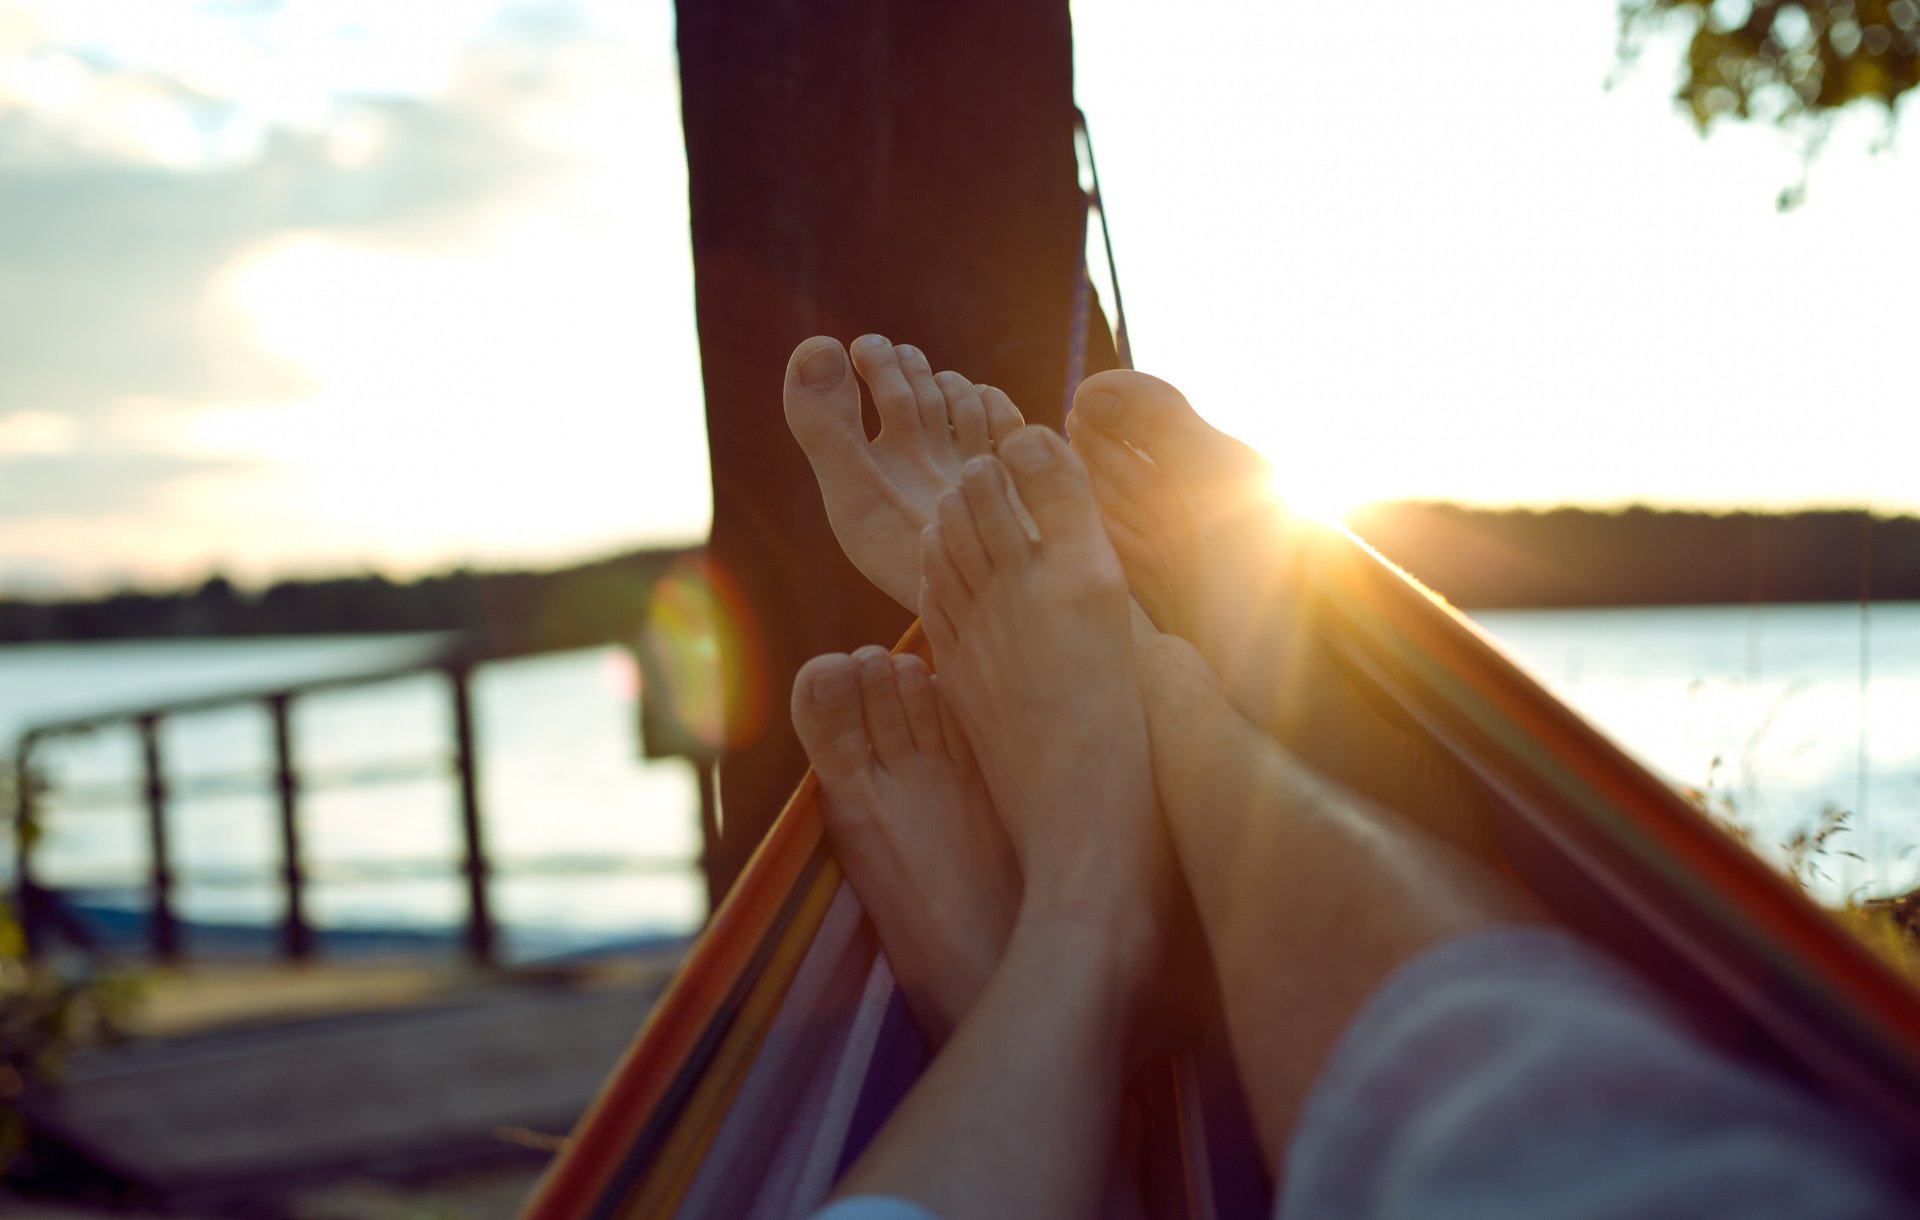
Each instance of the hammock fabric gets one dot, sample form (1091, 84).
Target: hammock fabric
(782, 1044)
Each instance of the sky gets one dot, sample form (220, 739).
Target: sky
(318, 285)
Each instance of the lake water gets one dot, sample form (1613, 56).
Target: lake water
(1779, 712)
(560, 775)
(1765, 707)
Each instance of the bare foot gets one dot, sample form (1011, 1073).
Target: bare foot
(881, 493)
(909, 819)
(1215, 558)
(1033, 641)
(1207, 545)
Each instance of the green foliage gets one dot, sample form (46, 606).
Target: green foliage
(1891, 928)
(45, 1013)
(1777, 61)
(1888, 925)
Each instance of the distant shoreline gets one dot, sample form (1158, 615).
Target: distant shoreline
(1479, 559)
(1559, 558)
(588, 603)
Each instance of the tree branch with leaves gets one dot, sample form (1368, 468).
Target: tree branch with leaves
(1779, 62)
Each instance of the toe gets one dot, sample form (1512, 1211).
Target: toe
(1053, 485)
(964, 547)
(984, 483)
(1117, 515)
(879, 366)
(1145, 571)
(929, 404)
(1125, 482)
(880, 703)
(943, 594)
(959, 749)
(822, 400)
(1003, 418)
(933, 619)
(826, 715)
(915, 684)
(966, 413)
(1116, 508)
(1151, 415)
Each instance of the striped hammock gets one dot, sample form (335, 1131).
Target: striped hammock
(783, 1044)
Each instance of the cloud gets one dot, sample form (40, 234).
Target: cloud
(33, 432)
(124, 192)
(219, 220)
(52, 486)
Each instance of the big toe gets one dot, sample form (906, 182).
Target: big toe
(1054, 487)
(822, 400)
(1154, 417)
(827, 717)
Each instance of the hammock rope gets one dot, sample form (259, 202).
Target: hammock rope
(1081, 314)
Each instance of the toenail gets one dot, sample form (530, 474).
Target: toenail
(907, 351)
(872, 341)
(977, 465)
(823, 368)
(1027, 451)
(1101, 407)
(947, 378)
(832, 685)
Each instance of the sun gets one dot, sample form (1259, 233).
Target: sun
(1320, 492)
(1317, 467)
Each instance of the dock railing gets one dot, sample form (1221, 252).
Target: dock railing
(39, 908)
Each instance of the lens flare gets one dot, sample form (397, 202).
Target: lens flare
(703, 665)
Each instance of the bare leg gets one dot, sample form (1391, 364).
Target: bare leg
(880, 493)
(1034, 641)
(1214, 558)
(1018, 1115)
(1309, 896)
(909, 819)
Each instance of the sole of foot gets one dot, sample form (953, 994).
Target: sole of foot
(880, 492)
(908, 816)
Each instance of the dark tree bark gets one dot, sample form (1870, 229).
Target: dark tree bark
(858, 166)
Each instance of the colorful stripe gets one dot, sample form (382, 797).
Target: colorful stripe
(1577, 813)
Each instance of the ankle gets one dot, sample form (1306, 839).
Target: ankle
(1119, 935)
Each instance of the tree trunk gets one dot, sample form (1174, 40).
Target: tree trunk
(858, 166)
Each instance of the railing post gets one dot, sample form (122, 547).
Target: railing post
(24, 902)
(707, 775)
(480, 945)
(296, 935)
(162, 929)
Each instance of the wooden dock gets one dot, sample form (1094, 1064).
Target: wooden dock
(254, 1085)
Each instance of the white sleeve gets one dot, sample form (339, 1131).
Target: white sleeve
(872, 1207)
(1519, 1073)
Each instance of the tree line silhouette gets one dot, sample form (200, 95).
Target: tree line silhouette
(1642, 557)
(513, 611)
(1476, 558)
